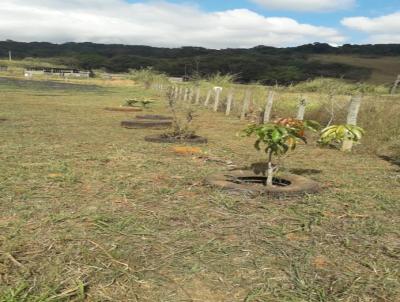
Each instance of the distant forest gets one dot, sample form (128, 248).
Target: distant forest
(262, 64)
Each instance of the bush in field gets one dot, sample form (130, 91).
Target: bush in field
(380, 118)
(338, 87)
(337, 134)
(221, 80)
(147, 76)
(182, 118)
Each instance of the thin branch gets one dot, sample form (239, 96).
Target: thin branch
(13, 260)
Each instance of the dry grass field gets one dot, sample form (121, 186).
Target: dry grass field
(89, 211)
(384, 69)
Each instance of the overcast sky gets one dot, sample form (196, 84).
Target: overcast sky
(208, 23)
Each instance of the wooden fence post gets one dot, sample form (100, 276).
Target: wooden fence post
(217, 91)
(246, 104)
(352, 116)
(302, 109)
(395, 85)
(268, 107)
(208, 97)
(198, 92)
(229, 102)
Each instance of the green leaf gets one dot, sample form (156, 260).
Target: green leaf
(338, 133)
(276, 135)
(311, 125)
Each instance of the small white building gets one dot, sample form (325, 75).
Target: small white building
(176, 79)
(61, 72)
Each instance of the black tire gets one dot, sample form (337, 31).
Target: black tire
(140, 124)
(123, 109)
(296, 184)
(154, 117)
(172, 140)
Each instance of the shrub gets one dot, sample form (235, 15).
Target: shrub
(182, 118)
(148, 76)
(338, 134)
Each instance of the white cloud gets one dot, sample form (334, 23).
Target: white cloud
(307, 5)
(151, 23)
(384, 29)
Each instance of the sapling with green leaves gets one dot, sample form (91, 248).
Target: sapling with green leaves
(131, 102)
(145, 103)
(279, 138)
(182, 118)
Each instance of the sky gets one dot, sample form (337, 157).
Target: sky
(205, 23)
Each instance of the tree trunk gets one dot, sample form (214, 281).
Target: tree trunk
(270, 171)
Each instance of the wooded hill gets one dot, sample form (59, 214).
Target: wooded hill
(263, 64)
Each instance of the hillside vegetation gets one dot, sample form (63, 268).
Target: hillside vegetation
(267, 65)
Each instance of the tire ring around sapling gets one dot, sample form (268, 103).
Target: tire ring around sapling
(154, 117)
(171, 140)
(298, 185)
(141, 124)
(123, 109)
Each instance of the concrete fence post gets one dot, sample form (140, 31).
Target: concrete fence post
(185, 95)
(246, 104)
(229, 102)
(302, 109)
(352, 116)
(180, 93)
(395, 85)
(268, 107)
(190, 97)
(208, 98)
(198, 93)
(217, 91)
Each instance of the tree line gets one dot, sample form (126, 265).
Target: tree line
(263, 64)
